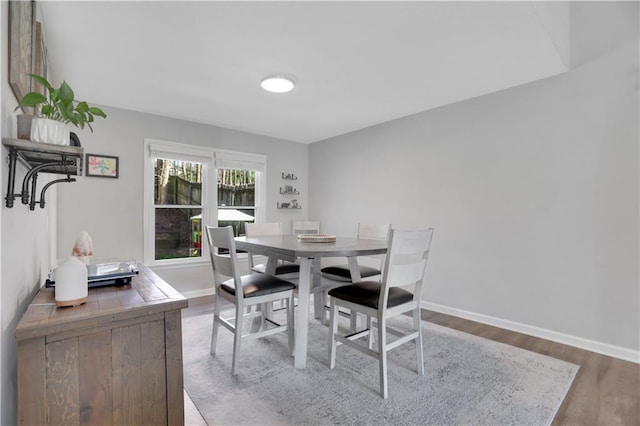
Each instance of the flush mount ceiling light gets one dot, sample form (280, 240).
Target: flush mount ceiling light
(277, 84)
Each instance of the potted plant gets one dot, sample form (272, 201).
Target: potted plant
(55, 110)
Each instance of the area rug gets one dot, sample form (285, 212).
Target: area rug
(468, 380)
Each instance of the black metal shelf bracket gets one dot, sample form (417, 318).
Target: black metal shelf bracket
(13, 156)
(33, 175)
(32, 205)
(39, 158)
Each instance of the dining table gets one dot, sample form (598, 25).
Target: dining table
(294, 248)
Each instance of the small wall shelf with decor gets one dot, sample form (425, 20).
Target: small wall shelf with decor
(289, 190)
(289, 176)
(290, 205)
(40, 158)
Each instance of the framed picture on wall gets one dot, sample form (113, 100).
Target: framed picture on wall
(39, 58)
(21, 24)
(102, 166)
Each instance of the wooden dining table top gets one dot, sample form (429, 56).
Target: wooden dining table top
(289, 247)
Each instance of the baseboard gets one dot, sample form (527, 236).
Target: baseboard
(198, 293)
(566, 339)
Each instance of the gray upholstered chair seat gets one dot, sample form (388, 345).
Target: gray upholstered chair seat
(367, 293)
(258, 285)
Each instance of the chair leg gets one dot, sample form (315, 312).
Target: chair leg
(333, 330)
(291, 325)
(237, 338)
(382, 355)
(353, 318)
(217, 307)
(370, 328)
(319, 302)
(419, 354)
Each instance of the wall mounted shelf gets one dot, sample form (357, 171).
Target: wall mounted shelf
(39, 158)
(288, 190)
(289, 176)
(289, 206)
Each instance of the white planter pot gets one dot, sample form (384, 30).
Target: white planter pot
(49, 131)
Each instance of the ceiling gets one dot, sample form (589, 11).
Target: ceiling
(355, 64)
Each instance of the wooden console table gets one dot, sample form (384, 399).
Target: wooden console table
(115, 360)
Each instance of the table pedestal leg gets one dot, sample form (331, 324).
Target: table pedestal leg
(318, 300)
(302, 314)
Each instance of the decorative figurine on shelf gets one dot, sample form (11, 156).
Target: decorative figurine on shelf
(83, 248)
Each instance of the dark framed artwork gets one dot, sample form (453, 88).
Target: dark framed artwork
(102, 165)
(21, 20)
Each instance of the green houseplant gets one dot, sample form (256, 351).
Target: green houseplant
(57, 106)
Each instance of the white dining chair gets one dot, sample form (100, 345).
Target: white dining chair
(369, 267)
(284, 270)
(244, 291)
(399, 293)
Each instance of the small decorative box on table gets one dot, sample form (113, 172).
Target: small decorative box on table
(117, 359)
(316, 238)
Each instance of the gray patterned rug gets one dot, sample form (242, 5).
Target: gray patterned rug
(468, 380)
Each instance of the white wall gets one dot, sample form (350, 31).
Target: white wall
(533, 192)
(24, 251)
(111, 210)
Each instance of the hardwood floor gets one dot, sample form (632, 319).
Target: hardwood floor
(606, 390)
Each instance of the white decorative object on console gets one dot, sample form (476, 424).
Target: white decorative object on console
(72, 283)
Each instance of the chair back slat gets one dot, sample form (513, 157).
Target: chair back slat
(263, 229)
(404, 275)
(224, 265)
(406, 261)
(306, 227)
(373, 231)
(378, 231)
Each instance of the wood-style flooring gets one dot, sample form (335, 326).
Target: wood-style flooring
(606, 390)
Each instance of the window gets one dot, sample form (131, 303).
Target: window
(177, 199)
(181, 196)
(236, 198)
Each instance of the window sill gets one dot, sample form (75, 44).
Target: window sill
(173, 264)
(186, 263)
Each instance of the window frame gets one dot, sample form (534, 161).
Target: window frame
(211, 159)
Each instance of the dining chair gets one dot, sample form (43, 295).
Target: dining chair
(305, 227)
(398, 293)
(285, 270)
(244, 291)
(369, 267)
